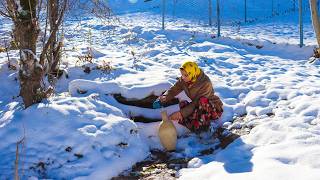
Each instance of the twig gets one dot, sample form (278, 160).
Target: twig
(31, 16)
(7, 51)
(45, 27)
(16, 167)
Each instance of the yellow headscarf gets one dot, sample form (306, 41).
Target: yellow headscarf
(191, 69)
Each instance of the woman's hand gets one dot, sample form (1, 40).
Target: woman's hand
(163, 99)
(176, 116)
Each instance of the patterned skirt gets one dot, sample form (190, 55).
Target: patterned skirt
(200, 119)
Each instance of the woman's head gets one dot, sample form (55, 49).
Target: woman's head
(189, 71)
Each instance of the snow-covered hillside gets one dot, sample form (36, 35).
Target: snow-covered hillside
(82, 132)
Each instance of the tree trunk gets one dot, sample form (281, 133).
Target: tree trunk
(26, 31)
(315, 19)
(54, 48)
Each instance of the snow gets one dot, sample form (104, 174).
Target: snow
(259, 71)
(89, 126)
(138, 92)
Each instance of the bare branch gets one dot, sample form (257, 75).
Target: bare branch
(30, 9)
(4, 10)
(4, 14)
(12, 9)
(45, 27)
(54, 30)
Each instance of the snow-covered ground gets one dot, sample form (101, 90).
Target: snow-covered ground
(259, 72)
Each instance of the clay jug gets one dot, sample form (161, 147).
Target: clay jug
(167, 133)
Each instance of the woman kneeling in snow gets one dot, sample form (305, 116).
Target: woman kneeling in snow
(205, 105)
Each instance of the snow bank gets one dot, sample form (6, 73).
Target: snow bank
(137, 92)
(71, 137)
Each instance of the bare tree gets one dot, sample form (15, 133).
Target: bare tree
(315, 22)
(25, 17)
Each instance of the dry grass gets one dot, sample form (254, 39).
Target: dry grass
(105, 67)
(2, 49)
(83, 59)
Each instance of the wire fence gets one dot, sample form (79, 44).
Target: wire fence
(234, 14)
(222, 14)
(242, 11)
(192, 9)
(205, 11)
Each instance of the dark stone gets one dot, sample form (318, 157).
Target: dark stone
(144, 103)
(78, 155)
(81, 91)
(68, 149)
(87, 70)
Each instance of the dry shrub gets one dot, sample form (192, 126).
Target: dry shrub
(83, 59)
(316, 52)
(105, 67)
(2, 49)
